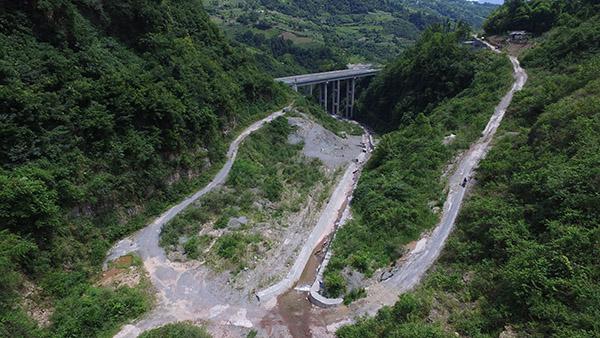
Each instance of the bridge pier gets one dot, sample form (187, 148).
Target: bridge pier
(325, 99)
(350, 90)
(336, 97)
(339, 78)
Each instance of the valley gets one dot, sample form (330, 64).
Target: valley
(159, 178)
(224, 302)
(298, 37)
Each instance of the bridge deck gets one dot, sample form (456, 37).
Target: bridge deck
(308, 79)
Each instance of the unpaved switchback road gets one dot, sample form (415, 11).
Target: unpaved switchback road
(428, 248)
(182, 291)
(145, 241)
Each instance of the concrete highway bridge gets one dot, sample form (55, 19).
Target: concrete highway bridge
(337, 80)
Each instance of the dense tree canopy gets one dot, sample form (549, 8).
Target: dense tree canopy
(435, 68)
(109, 110)
(523, 260)
(536, 16)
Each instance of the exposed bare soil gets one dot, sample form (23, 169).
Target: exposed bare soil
(38, 307)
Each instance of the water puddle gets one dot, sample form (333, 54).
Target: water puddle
(309, 274)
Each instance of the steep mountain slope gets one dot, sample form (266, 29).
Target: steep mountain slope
(109, 111)
(523, 259)
(297, 36)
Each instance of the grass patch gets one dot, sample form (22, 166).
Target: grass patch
(355, 295)
(235, 249)
(196, 244)
(177, 330)
(99, 311)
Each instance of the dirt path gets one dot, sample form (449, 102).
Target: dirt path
(192, 291)
(183, 293)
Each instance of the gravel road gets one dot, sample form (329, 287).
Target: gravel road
(429, 247)
(183, 293)
(191, 291)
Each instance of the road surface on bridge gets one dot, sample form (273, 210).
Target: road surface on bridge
(345, 74)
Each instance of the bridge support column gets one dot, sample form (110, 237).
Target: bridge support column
(326, 99)
(348, 97)
(336, 97)
(350, 89)
(321, 94)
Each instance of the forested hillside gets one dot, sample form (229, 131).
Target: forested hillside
(109, 110)
(536, 16)
(523, 260)
(436, 68)
(308, 36)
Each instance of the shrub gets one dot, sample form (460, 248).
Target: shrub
(191, 247)
(354, 295)
(335, 284)
(97, 310)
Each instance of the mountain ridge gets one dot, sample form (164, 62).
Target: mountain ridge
(291, 37)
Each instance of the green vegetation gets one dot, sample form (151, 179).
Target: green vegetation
(196, 244)
(110, 111)
(177, 330)
(302, 36)
(401, 183)
(407, 318)
(280, 55)
(412, 84)
(390, 204)
(14, 253)
(523, 258)
(354, 295)
(537, 16)
(92, 311)
(235, 247)
(267, 169)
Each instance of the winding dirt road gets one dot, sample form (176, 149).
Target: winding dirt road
(191, 291)
(183, 293)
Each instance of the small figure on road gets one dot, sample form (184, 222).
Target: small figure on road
(464, 182)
